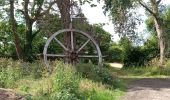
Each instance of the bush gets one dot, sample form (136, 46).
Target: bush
(167, 64)
(66, 83)
(98, 74)
(63, 84)
(115, 54)
(11, 71)
(135, 57)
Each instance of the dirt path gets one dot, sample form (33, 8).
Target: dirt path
(148, 89)
(9, 95)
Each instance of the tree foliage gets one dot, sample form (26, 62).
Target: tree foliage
(165, 17)
(122, 11)
(27, 13)
(123, 15)
(36, 30)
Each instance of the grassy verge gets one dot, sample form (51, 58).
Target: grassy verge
(142, 72)
(81, 82)
(153, 72)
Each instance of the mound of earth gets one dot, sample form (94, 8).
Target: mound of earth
(9, 95)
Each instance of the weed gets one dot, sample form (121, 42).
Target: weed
(65, 83)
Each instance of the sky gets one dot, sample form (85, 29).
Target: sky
(95, 15)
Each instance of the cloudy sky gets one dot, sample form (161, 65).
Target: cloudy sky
(95, 15)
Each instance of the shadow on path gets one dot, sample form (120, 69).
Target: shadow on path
(148, 89)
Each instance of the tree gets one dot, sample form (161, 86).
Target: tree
(165, 16)
(166, 20)
(30, 12)
(31, 16)
(13, 24)
(120, 10)
(65, 9)
(29, 19)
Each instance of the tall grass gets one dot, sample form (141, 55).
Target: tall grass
(11, 71)
(67, 82)
(146, 71)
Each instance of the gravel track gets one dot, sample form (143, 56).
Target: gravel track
(148, 89)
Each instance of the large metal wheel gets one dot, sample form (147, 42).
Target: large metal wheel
(72, 52)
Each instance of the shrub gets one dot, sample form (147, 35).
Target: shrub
(66, 83)
(135, 57)
(63, 84)
(98, 74)
(167, 64)
(115, 54)
(11, 71)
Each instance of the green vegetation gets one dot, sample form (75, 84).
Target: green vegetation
(152, 71)
(83, 82)
(26, 25)
(146, 72)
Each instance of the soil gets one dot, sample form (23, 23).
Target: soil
(6, 94)
(148, 89)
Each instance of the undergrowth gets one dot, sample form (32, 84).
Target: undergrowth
(154, 71)
(66, 82)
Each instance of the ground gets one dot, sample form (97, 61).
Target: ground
(148, 89)
(9, 95)
(116, 65)
(140, 89)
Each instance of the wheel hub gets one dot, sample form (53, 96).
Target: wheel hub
(73, 56)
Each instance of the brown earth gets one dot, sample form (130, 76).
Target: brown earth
(9, 95)
(148, 89)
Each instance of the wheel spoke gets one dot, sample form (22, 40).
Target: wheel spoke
(55, 55)
(60, 44)
(88, 56)
(83, 46)
(72, 41)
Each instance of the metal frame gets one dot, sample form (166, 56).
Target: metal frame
(71, 31)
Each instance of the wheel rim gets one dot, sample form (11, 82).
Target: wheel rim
(99, 55)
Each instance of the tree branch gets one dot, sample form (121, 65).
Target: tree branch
(158, 2)
(32, 9)
(35, 33)
(39, 14)
(39, 10)
(147, 8)
(26, 9)
(19, 10)
(48, 9)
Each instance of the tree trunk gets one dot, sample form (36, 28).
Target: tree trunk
(161, 44)
(159, 29)
(29, 35)
(29, 38)
(14, 31)
(64, 7)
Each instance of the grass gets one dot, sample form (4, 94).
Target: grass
(129, 74)
(67, 82)
(155, 72)
(98, 91)
(142, 72)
